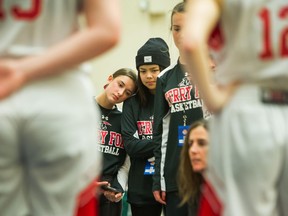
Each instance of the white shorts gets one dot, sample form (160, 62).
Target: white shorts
(48, 151)
(248, 155)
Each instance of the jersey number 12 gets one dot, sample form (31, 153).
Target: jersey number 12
(265, 16)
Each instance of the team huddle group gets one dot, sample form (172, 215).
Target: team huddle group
(159, 107)
(189, 139)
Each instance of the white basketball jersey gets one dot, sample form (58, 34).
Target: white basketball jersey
(30, 26)
(255, 40)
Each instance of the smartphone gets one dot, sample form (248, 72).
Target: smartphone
(109, 188)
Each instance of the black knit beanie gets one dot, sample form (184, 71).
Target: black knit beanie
(154, 51)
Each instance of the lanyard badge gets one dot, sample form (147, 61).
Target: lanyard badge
(182, 131)
(149, 166)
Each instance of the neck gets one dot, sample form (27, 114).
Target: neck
(152, 91)
(181, 60)
(103, 101)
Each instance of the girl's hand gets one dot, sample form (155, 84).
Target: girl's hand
(11, 77)
(221, 96)
(99, 184)
(160, 196)
(112, 196)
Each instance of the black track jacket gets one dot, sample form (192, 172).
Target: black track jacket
(175, 98)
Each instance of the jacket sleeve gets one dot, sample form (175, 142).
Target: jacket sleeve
(135, 147)
(161, 108)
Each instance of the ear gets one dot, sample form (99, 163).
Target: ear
(110, 78)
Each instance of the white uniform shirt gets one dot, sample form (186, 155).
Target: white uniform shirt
(255, 40)
(26, 28)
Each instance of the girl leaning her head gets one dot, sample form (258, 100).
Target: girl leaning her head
(121, 85)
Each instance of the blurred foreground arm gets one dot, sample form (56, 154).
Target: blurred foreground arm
(101, 33)
(202, 17)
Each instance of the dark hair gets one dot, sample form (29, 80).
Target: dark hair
(129, 73)
(80, 6)
(189, 182)
(179, 8)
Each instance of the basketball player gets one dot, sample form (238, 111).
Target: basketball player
(248, 159)
(47, 117)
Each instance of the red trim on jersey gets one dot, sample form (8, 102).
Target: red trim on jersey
(27, 14)
(216, 40)
(88, 201)
(210, 204)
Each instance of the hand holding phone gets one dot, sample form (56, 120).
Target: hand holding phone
(109, 188)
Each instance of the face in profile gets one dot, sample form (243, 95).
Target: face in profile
(177, 27)
(119, 89)
(198, 148)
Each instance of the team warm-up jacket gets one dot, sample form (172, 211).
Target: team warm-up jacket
(111, 145)
(175, 98)
(140, 148)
